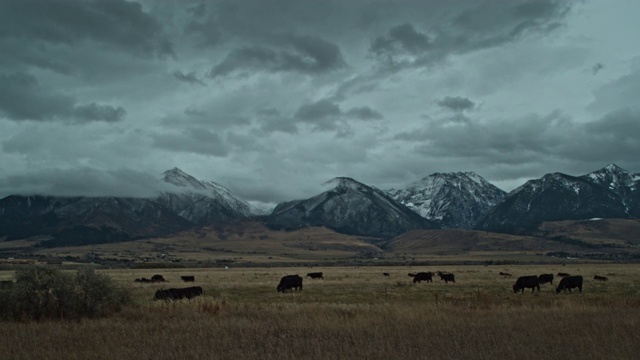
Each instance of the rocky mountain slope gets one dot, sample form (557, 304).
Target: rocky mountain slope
(607, 193)
(82, 220)
(453, 200)
(350, 207)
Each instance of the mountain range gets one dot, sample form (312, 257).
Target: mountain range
(461, 200)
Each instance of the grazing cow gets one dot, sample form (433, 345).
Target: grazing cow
(315, 275)
(289, 282)
(505, 274)
(423, 276)
(177, 294)
(188, 278)
(562, 274)
(386, 274)
(412, 274)
(157, 278)
(546, 278)
(446, 277)
(523, 282)
(569, 283)
(600, 278)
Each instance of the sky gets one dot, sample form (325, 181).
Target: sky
(273, 98)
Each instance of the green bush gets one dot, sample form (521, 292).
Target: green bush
(43, 293)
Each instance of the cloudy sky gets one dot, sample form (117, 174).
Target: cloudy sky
(273, 98)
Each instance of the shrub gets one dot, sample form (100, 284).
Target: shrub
(45, 293)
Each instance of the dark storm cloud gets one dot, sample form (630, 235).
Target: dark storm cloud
(121, 24)
(472, 28)
(95, 112)
(270, 120)
(364, 113)
(318, 111)
(456, 103)
(596, 68)
(82, 182)
(325, 115)
(515, 19)
(532, 138)
(22, 98)
(618, 94)
(304, 54)
(400, 39)
(190, 78)
(192, 140)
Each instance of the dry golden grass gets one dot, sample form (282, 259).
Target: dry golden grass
(355, 313)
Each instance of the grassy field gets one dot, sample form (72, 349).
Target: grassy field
(354, 313)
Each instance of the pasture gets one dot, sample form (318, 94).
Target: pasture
(354, 313)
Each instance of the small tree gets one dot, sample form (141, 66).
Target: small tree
(46, 293)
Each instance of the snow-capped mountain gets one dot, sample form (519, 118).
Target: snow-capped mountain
(89, 220)
(621, 182)
(350, 207)
(562, 197)
(454, 200)
(201, 202)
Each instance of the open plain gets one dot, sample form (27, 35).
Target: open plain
(353, 313)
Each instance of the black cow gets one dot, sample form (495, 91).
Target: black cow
(188, 278)
(315, 275)
(289, 282)
(177, 294)
(505, 274)
(157, 278)
(569, 283)
(386, 274)
(423, 276)
(143, 280)
(523, 282)
(447, 277)
(546, 278)
(563, 274)
(600, 278)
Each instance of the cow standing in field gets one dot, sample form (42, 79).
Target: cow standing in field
(423, 276)
(523, 282)
(546, 278)
(504, 274)
(177, 294)
(315, 275)
(569, 283)
(600, 278)
(446, 277)
(289, 282)
(157, 278)
(188, 278)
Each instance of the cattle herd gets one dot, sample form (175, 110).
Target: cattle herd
(291, 283)
(533, 282)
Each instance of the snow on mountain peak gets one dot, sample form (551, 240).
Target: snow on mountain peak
(197, 189)
(180, 178)
(343, 182)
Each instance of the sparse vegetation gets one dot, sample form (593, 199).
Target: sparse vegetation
(45, 293)
(354, 313)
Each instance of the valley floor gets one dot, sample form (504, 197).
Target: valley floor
(354, 313)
